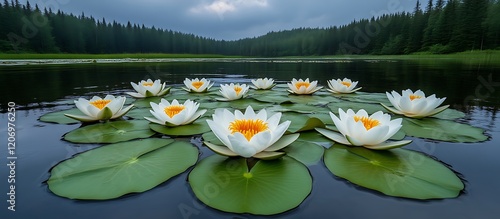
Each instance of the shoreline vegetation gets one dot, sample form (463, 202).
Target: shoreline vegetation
(479, 57)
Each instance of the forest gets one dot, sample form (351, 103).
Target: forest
(438, 27)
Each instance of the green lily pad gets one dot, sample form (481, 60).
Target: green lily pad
(110, 132)
(269, 187)
(305, 152)
(316, 138)
(210, 137)
(139, 113)
(271, 97)
(355, 106)
(114, 170)
(299, 108)
(59, 117)
(398, 172)
(364, 97)
(301, 122)
(145, 102)
(200, 126)
(242, 104)
(312, 99)
(450, 114)
(443, 130)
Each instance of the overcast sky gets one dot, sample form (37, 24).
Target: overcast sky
(230, 19)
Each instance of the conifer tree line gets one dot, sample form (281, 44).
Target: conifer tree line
(441, 26)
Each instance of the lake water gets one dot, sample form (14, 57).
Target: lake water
(38, 89)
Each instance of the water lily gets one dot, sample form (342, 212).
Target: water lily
(415, 105)
(263, 83)
(197, 85)
(148, 88)
(249, 134)
(175, 114)
(345, 86)
(233, 91)
(97, 108)
(359, 129)
(303, 86)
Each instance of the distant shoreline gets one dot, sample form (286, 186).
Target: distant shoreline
(487, 57)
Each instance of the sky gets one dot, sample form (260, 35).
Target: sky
(229, 19)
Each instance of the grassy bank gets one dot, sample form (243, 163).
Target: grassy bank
(109, 56)
(472, 57)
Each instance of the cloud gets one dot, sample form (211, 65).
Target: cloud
(221, 7)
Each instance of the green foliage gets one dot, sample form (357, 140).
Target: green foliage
(398, 172)
(115, 170)
(448, 27)
(269, 187)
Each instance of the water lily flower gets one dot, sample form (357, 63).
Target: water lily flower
(263, 83)
(415, 105)
(175, 114)
(197, 85)
(233, 91)
(249, 134)
(148, 88)
(97, 108)
(303, 87)
(345, 86)
(359, 129)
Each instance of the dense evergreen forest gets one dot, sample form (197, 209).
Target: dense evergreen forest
(438, 27)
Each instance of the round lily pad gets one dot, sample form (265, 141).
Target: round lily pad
(398, 172)
(443, 130)
(110, 132)
(301, 122)
(59, 117)
(269, 187)
(198, 127)
(114, 170)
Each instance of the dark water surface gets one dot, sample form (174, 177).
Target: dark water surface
(39, 89)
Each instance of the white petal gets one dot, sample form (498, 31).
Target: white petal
(241, 146)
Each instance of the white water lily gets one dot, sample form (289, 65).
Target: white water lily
(359, 129)
(415, 105)
(345, 86)
(197, 85)
(263, 83)
(249, 134)
(148, 88)
(303, 86)
(233, 91)
(97, 108)
(175, 114)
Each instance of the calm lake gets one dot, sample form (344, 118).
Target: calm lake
(39, 89)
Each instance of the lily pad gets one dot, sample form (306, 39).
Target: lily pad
(312, 99)
(269, 97)
(301, 122)
(443, 130)
(305, 152)
(145, 102)
(364, 97)
(59, 117)
(269, 187)
(370, 108)
(139, 113)
(398, 172)
(450, 114)
(242, 104)
(110, 132)
(112, 171)
(198, 127)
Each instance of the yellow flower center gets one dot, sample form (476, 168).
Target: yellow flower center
(300, 84)
(197, 84)
(100, 103)
(346, 83)
(369, 123)
(248, 127)
(173, 110)
(238, 89)
(149, 84)
(413, 97)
